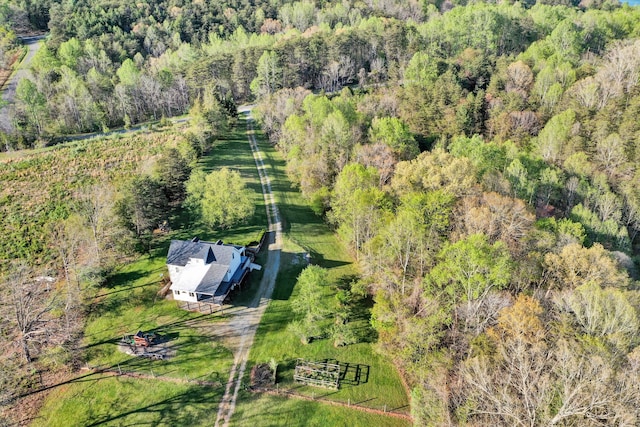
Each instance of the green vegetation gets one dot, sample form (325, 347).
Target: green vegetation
(379, 385)
(258, 410)
(97, 398)
(220, 197)
(478, 160)
(125, 299)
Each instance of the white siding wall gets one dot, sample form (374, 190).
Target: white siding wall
(185, 296)
(233, 266)
(174, 272)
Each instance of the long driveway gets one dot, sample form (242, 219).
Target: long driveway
(244, 323)
(9, 92)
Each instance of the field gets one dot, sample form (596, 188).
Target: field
(370, 380)
(129, 302)
(168, 394)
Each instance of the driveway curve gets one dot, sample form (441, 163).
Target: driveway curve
(9, 91)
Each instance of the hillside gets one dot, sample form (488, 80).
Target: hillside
(479, 162)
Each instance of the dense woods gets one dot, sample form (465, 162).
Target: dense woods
(480, 160)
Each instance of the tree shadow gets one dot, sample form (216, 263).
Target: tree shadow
(351, 373)
(167, 411)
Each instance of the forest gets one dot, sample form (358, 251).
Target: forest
(479, 160)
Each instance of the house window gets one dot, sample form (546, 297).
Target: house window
(191, 294)
(176, 292)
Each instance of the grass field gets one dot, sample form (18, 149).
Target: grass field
(376, 385)
(273, 411)
(105, 400)
(129, 302)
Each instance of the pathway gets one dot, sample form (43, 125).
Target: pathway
(244, 323)
(33, 44)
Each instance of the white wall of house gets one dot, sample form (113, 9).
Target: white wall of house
(233, 266)
(185, 296)
(174, 272)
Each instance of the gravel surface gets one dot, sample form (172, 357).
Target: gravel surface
(9, 92)
(241, 328)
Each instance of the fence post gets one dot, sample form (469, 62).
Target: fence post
(385, 408)
(119, 370)
(349, 402)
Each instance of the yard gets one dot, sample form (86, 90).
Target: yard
(171, 392)
(167, 392)
(369, 380)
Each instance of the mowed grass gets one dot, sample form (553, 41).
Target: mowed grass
(131, 402)
(370, 379)
(274, 411)
(232, 151)
(129, 302)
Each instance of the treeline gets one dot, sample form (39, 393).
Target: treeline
(492, 201)
(110, 65)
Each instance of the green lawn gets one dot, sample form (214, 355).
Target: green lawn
(272, 411)
(105, 400)
(129, 302)
(377, 384)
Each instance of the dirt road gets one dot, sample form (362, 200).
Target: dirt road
(242, 326)
(9, 92)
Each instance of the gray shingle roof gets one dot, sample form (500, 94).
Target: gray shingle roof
(180, 251)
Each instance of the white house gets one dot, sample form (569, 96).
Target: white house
(204, 271)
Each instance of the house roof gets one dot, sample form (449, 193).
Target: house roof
(181, 251)
(202, 277)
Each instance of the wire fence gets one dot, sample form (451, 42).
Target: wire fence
(378, 410)
(118, 371)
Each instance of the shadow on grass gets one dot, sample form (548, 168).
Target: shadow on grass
(125, 289)
(167, 411)
(165, 330)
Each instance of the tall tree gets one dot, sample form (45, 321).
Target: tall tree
(466, 273)
(28, 302)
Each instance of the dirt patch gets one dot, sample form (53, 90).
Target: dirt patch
(159, 351)
(262, 376)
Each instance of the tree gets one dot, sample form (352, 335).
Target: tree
(356, 204)
(33, 104)
(576, 265)
(395, 134)
(466, 273)
(220, 197)
(412, 237)
(498, 217)
(554, 137)
(93, 205)
(512, 387)
(308, 302)
(605, 313)
(173, 171)
(28, 303)
(142, 205)
(269, 75)
(311, 285)
(436, 170)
